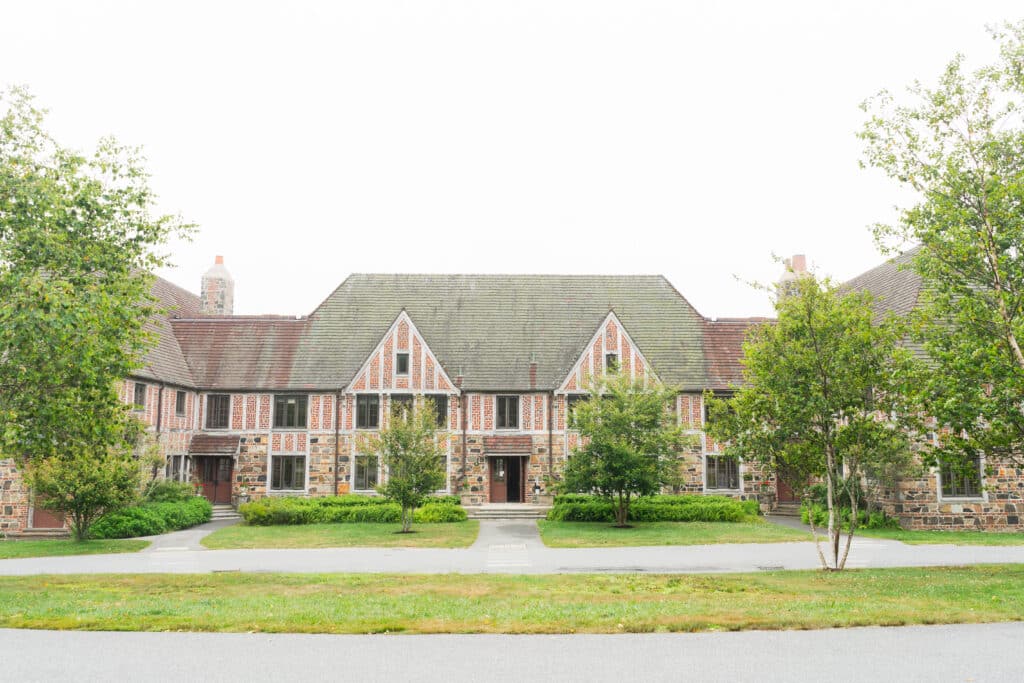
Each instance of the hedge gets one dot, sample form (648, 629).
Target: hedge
(150, 519)
(349, 508)
(682, 508)
(866, 520)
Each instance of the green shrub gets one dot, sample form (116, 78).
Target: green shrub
(752, 507)
(682, 508)
(150, 519)
(350, 508)
(165, 491)
(866, 520)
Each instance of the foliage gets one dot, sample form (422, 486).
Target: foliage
(959, 146)
(150, 519)
(825, 393)
(350, 508)
(412, 457)
(84, 486)
(866, 519)
(684, 508)
(166, 491)
(78, 241)
(629, 443)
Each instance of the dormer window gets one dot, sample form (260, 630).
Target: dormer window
(611, 362)
(402, 364)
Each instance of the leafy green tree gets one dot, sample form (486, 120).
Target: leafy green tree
(78, 241)
(629, 445)
(824, 396)
(412, 457)
(85, 486)
(959, 146)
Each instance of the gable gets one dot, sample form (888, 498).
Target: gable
(611, 337)
(380, 371)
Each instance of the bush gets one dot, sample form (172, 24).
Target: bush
(349, 508)
(684, 508)
(150, 519)
(865, 520)
(166, 491)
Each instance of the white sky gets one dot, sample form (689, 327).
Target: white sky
(311, 140)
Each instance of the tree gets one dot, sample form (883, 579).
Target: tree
(78, 241)
(824, 396)
(412, 457)
(84, 486)
(629, 443)
(960, 148)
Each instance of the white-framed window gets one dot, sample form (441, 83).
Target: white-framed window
(507, 409)
(140, 396)
(290, 411)
(367, 473)
(288, 473)
(721, 472)
(402, 363)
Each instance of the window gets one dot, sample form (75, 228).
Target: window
(611, 362)
(290, 412)
(961, 479)
(218, 411)
(140, 396)
(401, 404)
(366, 472)
(571, 401)
(440, 407)
(508, 412)
(367, 411)
(401, 364)
(179, 403)
(177, 467)
(722, 472)
(288, 473)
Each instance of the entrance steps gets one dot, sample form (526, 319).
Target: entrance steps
(224, 512)
(786, 510)
(507, 511)
(38, 534)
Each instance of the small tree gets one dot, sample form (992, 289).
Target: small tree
(824, 396)
(630, 441)
(84, 486)
(412, 457)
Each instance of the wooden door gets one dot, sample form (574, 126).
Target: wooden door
(45, 519)
(215, 477)
(514, 488)
(784, 491)
(499, 480)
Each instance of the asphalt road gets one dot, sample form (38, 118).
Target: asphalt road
(932, 654)
(507, 547)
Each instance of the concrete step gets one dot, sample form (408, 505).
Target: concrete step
(509, 511)
(224, 512)
(786, 510)
(27, 534)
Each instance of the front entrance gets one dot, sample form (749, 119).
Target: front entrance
(45, 519)
(784, 491)
(507, 479)
(214, 474)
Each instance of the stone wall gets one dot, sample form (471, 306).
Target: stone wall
(14, 499)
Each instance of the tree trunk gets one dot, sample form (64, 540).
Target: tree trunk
(853, 524)
(833, 532)
(407, 513)
(814, 532)
(622, 511)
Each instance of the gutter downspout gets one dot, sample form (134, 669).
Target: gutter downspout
(337, 436)
(464, 402)
(551, 427)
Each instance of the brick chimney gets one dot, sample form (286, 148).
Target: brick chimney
(217, 296)
(796, 267)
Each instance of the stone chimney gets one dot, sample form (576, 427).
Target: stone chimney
(796, 268)
(217, 296)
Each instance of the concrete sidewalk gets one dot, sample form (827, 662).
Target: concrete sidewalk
(510, 547)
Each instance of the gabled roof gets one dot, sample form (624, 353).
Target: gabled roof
(895, 285)
(165, 361)
(723, 348)
(488, 328)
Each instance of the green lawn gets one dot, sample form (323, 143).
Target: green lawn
(950, 537)
(604, 535)
(51, 547)
(454, 535)
(485, 603)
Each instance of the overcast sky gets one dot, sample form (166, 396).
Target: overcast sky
(312, 140)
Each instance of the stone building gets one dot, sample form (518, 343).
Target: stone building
(251, 406)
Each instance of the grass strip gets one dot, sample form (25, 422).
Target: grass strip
(52, 547)
(360, 535)
(946, 537)
(604, 535)
(571, 603)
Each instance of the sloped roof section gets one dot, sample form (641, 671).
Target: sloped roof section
(241, 352)
(723, 349)
(165, 361)
(488, 328)
(895, 285)
(214, 444)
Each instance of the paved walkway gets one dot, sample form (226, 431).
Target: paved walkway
(506, 546)
(976, 652)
